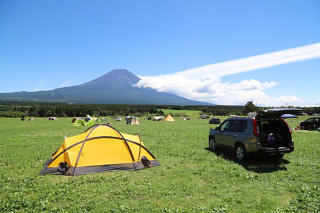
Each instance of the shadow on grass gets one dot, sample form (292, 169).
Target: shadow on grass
(258, 164)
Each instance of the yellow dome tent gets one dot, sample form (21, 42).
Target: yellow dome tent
(169, 118)
(100, 148)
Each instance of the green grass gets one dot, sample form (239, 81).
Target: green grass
(190, 178)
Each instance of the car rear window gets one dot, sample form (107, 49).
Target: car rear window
(310, 120)
(238, 125)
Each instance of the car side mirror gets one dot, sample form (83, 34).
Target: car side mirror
(217, 128)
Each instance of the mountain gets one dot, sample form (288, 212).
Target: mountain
(115, 87)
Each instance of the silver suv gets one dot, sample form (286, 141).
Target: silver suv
(266, 133)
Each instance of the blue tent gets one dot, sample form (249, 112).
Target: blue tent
(288, 116)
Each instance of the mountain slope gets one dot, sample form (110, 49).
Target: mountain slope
(115, 87)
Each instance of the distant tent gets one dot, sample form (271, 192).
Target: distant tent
(83, 122)
(52, 118)
(90, 123)
(128, 117)
(79, 122)
(32, 119)
(101, 148)
(204, 116)
(169, 118)
(185, 118)
(91, 118)
(288, 116)
(158, 118)
(118, 119)
(132, 120)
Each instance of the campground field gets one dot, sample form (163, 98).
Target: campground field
(190, 178)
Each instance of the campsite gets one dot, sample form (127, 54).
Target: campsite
(160, 106)
(190, 177)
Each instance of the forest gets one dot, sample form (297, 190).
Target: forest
(44, 109)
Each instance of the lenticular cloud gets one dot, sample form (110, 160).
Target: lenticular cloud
(204, 83)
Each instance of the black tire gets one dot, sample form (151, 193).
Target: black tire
(279, 156)
(241, 152)
(212, 144)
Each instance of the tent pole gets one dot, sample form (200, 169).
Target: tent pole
(75, 166)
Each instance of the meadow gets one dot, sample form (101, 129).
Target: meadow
(190, 178)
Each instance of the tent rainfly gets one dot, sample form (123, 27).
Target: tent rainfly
(169, 118)
(79, 122)
(132, 120)
(100, 148)
(204, 116)
(158, 118)
(288, 116)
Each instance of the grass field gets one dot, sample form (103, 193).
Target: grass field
(190, 179)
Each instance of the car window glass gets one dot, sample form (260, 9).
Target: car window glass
(225, 126)
(238, 125)
(309, 120)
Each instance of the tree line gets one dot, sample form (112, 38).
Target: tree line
(44, 109)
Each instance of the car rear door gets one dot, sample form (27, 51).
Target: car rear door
(276, 113)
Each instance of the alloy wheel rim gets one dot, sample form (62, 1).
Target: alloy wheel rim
(212, 144)
(240, 153)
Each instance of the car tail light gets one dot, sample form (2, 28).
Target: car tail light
(285, 122)
(255, 127)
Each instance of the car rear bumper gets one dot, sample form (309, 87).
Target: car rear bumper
(278, 150)
(273, 150)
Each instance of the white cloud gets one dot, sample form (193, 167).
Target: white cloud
(205, 84)
(66, 83)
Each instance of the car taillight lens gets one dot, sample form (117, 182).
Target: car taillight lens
(255, 127)
(285, 122)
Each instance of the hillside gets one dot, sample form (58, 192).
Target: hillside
(115, 87)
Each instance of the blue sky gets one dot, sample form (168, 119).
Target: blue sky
(48, 44)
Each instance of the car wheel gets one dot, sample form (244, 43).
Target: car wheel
(212, 144)
(241, 153)
(279, 156)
